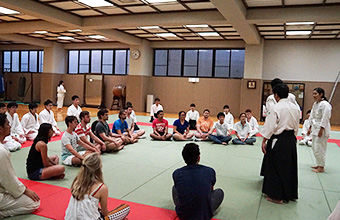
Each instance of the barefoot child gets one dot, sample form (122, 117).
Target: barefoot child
(88, 190)
(39, 165)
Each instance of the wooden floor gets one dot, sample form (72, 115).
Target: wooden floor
(60, 116)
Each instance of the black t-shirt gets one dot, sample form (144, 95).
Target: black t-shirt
(34, 160)
(194, 184)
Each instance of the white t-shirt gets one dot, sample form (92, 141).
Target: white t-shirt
(130, 120)
(221, 129)
(242, 130)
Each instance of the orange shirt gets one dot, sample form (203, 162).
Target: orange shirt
(205, 125)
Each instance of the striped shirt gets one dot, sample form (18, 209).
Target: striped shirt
(81, 131)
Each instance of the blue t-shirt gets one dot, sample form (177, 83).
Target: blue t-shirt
(181, 127)
(119, 125)
(194, 184)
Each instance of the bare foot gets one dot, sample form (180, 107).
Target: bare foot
(274, 200)
(316, 167)
(224, 143)
(319, 170)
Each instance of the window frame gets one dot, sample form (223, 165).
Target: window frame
(39, 54)
(101, 61)
(213, 75)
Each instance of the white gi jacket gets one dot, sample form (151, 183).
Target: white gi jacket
(72, 110)
(16, 128)
(47, 117)
(284, 116)
(30, 122)
(320, 117)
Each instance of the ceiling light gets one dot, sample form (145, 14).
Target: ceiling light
(96, 3)
(166, 35)
(298, 32)
(75, 30)
(159, 1)
(65, 38)
(8, 11)
(300, 23)
(208, 34)
(149, 27)
(196, 25)
(96, 36)
(40, 32)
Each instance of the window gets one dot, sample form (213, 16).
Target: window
(98, 61)
(220, 63)
(84, 61)
(7, 61)
(23, 61)
(175, 62)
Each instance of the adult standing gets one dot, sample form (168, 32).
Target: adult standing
(61, 91)
(280, 167)
(320, 128)
(16, 198)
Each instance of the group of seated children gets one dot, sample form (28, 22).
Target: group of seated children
(245, 129)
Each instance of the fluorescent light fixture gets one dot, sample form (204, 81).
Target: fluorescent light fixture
(65, 38)
(8, 11)
(75, 30)
(298, 32)
(96, 3)
(159, 1)
(196, 25)
(96, 36)
(208, 34)
(300, 23)
(40, 32)
(149, 27)
(166, 35)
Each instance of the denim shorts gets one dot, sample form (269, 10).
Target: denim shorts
(36, 175)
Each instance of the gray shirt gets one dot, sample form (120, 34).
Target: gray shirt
(102, 128)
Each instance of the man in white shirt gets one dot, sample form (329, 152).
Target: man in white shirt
(192, 116)
(271, 101)
(47, 116)
(223, 136)
(131, 122)
(30, 122)
(133, 115)
(306, 139)
(13, 141)
(74, 109)
(16, 198)
(280, 161)
(229, 118)
(251, 120)
(16, 129)
(155, 108)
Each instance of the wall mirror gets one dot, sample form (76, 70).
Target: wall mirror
(93, 90)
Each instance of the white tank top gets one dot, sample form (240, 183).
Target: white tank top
(86, 209)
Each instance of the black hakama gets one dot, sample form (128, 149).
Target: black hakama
(280, 167)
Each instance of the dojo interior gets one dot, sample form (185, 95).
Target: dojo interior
(210, 53)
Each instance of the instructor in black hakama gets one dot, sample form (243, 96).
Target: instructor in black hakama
(280, 181)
